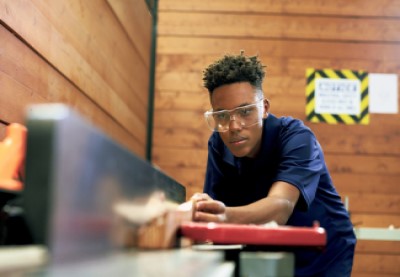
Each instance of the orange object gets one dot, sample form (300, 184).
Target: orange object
(12, 157)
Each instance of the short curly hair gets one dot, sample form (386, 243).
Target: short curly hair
(232, 69)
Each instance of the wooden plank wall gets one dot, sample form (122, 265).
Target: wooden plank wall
(92, 55)
(289, 36)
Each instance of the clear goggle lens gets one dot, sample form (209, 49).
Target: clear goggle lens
(245, 116)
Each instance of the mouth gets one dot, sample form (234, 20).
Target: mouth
(237, 141)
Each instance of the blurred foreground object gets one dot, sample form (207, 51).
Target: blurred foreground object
(91, 206)
(77, 182)
(13, 228)
(12, 156)
(162, 231)
(154, 225)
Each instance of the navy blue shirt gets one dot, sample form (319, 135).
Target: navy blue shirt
(290, 153)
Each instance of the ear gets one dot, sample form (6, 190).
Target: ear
(266, 107)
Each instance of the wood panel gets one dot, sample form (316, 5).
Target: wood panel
(38, 82)
(193, 121)
(116, 60)
(287, 79)
(182, 99)
(377, 264)
(383, 165)
(378, 247)
(369, 183)
(289, 37)
(304, 49)
(189, 176)
(277, 66)
(280, 26)
(179, 157)
(348, 185)
(384, 203)
(137, 23)
(338, 163)
(363, 274)
(382, 142)
(366, 219)
(276, 88)
(376, 8)
(70, 37)
(179, 119)
(182, 138)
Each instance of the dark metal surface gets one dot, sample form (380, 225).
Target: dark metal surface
(75, 175)
(153, 7)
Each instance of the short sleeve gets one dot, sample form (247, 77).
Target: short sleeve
(301, 161)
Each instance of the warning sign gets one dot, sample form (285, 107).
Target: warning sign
(337, 96)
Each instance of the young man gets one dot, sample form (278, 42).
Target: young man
(262, 168)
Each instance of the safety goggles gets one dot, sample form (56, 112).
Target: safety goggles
(244, 116)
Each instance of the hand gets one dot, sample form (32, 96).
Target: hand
(208, 209)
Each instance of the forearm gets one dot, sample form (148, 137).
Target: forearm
(277, 206)
(260, 212)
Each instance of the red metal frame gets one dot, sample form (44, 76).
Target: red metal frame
(224, 233)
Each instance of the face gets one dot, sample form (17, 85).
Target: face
(241, 141)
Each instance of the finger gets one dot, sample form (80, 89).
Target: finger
(200, 197)
(207, 217)
(214, 207)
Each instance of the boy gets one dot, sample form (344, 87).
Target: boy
(262, 168)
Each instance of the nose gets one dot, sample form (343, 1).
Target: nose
(234, 125)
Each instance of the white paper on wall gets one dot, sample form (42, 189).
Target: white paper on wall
(383, 93)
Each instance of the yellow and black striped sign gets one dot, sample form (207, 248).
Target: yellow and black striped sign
(337, 96)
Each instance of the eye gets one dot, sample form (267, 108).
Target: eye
(221, 116)
(245, 111)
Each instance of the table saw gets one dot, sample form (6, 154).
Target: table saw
(93, 207)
